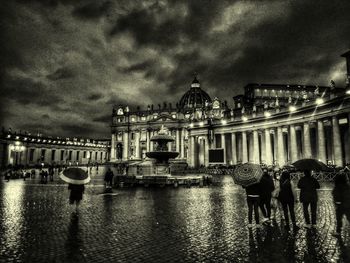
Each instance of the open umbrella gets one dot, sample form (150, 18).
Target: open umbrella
(247, 174)
(75, 175)
(310, 165)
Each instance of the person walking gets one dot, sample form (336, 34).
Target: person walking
(109, 178)
(76, 194)
(341, 197)
(287, 197)
(253, 196)
(308, 186)
(266, 189)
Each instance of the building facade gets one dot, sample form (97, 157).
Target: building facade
(30, 150)
(270, 123)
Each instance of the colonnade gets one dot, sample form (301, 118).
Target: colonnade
(321, 139)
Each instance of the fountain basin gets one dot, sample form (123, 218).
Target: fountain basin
(162, 156)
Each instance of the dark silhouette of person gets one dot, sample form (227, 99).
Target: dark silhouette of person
(308, 196)
(253, 196)
(341, 196)
(266, 187)
(287, 198)
(76, 194)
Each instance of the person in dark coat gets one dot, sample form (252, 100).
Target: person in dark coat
(109, 178)
(76, 193)
(308, 196)
(267, 187)
(253, 196)
(287, 197)
(341, 197)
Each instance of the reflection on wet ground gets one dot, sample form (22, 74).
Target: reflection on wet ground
(155, 225)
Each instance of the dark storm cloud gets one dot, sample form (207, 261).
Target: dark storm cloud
(83, 57)
(92, 10)
(27, 91)
(61, 73)
(94, 96)
(106, 118)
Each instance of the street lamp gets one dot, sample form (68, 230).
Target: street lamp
(292, 108)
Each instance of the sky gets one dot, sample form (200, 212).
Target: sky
(64, 64)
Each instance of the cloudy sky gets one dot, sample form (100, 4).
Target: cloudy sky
(64, 64)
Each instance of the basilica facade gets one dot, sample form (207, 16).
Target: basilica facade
(274, 124)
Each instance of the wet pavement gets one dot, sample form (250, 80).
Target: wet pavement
(195, 224)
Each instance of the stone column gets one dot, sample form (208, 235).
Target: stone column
(321, 142)
(182, 143)
(137, 144)
(293, 144)
(268, 148)
(307, 143)
(234, 148)
(347, 141)
(177, 140)
(280, 147)
(206, 151)
(148, 137)
(201, 150)
(256, 153)
(151, 133)
(244, 147)
(113, 150)
(338, 157)
(125, 146)
(262, 147)
(223, 145)
(191, 152)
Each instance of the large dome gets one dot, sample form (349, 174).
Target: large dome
(195, 97)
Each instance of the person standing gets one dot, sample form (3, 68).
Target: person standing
(308, 186)
(253, 196)
(76, 194)
(109, 178)
(267, 188)
(287, 197)
(341, 197)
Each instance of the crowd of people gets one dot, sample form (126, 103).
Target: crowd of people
(278, 193)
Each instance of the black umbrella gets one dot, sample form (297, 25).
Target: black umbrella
(247, 174)
(75, 175)
(310, 165)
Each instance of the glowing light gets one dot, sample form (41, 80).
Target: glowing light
(191, 125)
(201, 123)
(267, 114)
(244, 118)
(319, 101)
(223, 122)
(348, 91)
(292, 108)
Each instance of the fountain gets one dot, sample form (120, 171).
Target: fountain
(155, 169)
(161, 153)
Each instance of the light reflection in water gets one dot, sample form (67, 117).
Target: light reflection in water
(12, 219)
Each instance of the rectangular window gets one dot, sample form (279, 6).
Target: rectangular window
(101, 155)
(95, 155)
(84, 154)
(132, 136)
(62, 155)
(78, 153)
(31, 155)
(70, 155)
(53, 153)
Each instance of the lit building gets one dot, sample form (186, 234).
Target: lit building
(30, 150)
(270, 123)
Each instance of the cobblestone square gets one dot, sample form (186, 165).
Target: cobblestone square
(168, 224)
